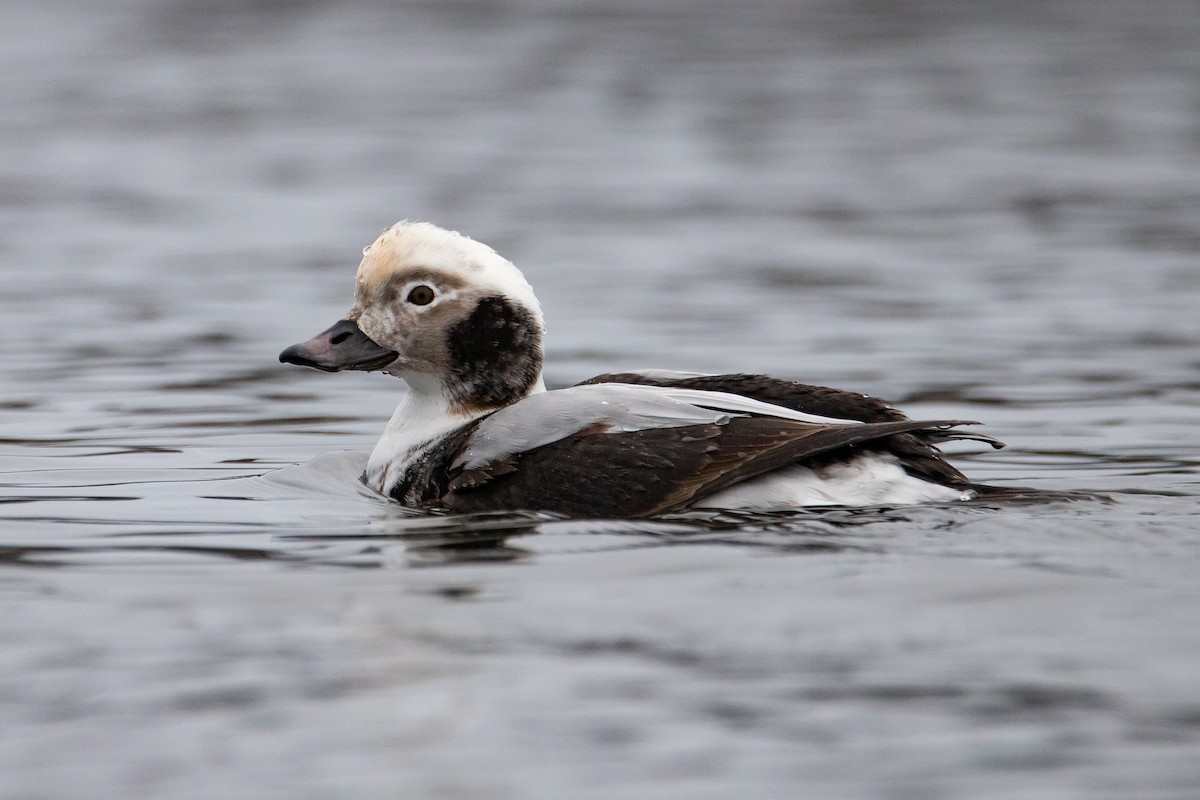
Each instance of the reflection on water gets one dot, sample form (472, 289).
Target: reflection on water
(980, 211)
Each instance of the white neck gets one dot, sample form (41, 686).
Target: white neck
(424, 416)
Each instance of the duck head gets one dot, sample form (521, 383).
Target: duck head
(442, 311)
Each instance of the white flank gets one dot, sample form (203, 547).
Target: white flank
(869, 480)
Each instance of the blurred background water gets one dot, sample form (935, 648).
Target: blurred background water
(980, 210)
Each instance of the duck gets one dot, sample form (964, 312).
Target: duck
(478, 431)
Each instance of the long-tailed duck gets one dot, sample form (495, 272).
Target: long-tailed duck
(478, 431)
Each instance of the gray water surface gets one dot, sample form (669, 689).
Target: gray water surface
(985, 211)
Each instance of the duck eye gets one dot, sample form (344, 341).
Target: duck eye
(421, 295)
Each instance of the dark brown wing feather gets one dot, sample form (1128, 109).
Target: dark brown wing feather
(917, 450)
(652, 471)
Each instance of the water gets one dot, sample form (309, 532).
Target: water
(976, 211)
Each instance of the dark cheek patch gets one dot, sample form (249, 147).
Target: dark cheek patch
(495, 354)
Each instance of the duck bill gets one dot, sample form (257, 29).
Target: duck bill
(344, 346)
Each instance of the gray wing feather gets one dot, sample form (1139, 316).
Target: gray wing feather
(541, 419)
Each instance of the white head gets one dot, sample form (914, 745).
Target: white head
(442, 311)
